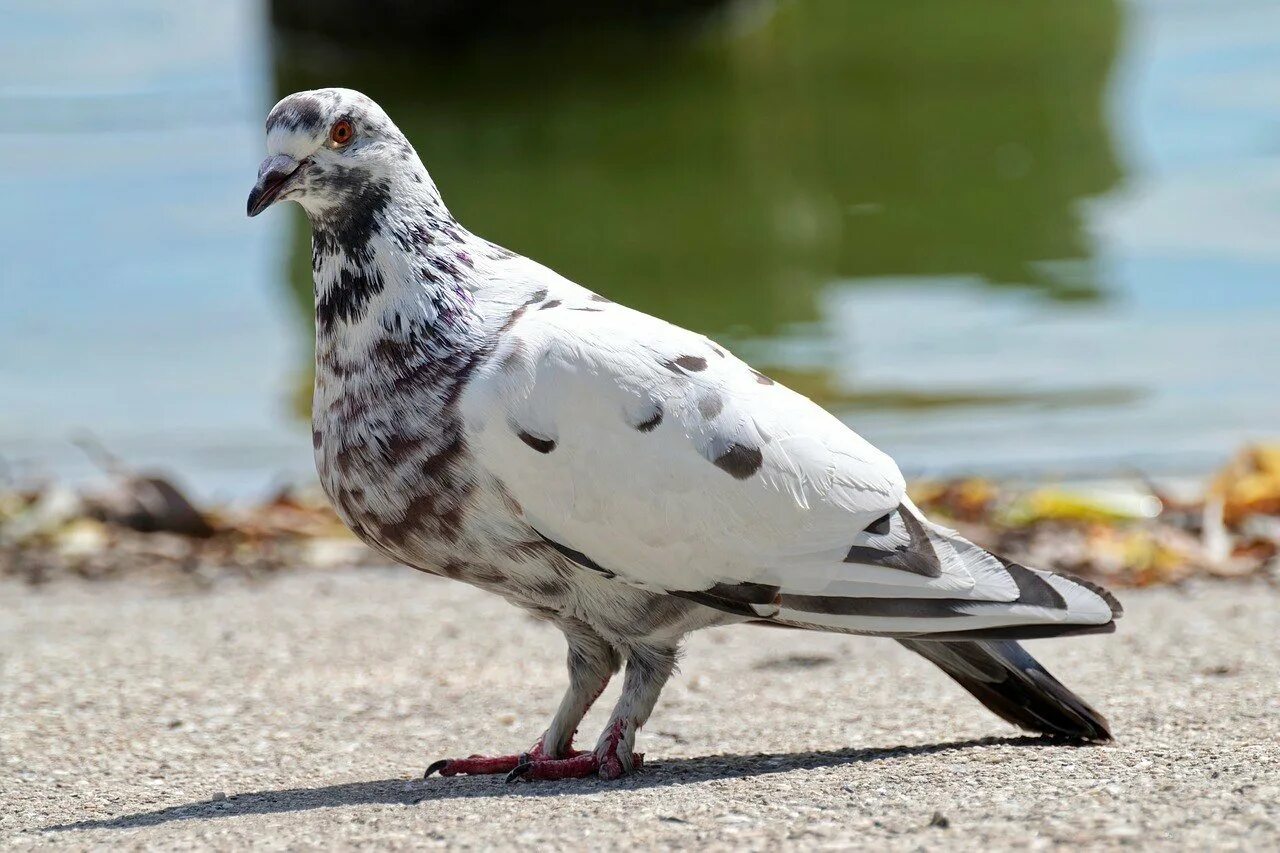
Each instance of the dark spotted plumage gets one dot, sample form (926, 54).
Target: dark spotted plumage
(348, 295)
(542, 445)
(710, 405)
(650, 423)
(300, 113)
(692, 363)
(740, 461)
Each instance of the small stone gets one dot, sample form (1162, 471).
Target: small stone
(940, 820)
(219, 797)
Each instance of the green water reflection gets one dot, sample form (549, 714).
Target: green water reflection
(719, 178)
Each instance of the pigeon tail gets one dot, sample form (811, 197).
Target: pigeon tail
(1003, 676)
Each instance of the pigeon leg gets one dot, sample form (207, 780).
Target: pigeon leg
(648, 668)
(592, 662)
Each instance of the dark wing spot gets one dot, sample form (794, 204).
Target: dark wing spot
(585, 308)
(710, 405)
(542, 445)
(760, 377)
(740, 461)
(554, 303)
(686, 363)
(692, 363)
(651, 423)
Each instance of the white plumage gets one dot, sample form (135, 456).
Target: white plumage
(480, 417)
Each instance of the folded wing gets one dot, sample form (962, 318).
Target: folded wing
(650, 454)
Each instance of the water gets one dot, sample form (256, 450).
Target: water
(991, 236)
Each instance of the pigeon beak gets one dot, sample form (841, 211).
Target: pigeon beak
(273, 177)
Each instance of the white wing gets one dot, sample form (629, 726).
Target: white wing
(650, 453)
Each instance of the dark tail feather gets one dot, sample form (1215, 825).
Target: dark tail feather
(1007, 679)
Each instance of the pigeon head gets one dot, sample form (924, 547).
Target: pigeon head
(330, 149)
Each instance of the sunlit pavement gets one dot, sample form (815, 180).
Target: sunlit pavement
(302, 711)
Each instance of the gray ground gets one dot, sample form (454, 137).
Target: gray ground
(302, 712)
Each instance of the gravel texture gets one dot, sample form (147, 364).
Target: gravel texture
(302, 711)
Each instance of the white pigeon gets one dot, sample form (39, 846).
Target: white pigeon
(480, 417)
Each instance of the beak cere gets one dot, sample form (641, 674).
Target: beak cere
(273, 176)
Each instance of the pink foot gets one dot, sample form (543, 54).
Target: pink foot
(481, 764)
(580, 765)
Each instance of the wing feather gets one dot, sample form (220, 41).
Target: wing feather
(678, 468)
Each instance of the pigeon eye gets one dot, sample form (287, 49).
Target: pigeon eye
(341, 132)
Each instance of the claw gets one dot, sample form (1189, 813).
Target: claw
(521, 770)
(436, 766)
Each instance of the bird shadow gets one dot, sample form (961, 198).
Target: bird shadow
(658, 774)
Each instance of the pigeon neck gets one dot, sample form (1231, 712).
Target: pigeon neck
(397, 265)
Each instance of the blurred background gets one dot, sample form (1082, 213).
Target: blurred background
(1018, 238)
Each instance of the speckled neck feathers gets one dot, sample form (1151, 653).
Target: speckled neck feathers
(390, 260)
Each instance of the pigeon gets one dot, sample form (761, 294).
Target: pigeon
(479, 417)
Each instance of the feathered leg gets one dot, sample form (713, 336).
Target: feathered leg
(592, 662)
(648, 668)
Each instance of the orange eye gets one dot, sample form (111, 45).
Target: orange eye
(341, 132)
